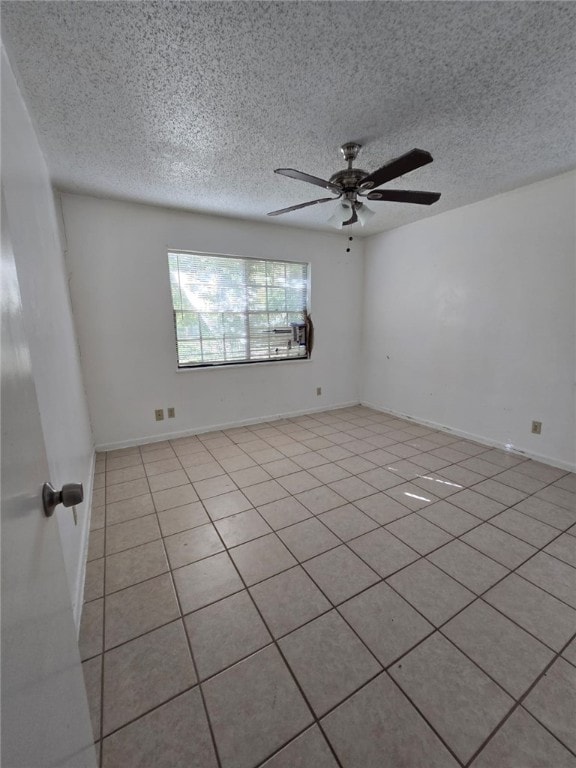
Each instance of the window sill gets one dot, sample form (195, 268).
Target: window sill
(244, 366)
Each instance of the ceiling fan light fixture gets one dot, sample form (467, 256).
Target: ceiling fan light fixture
(364, 214)
(341, 214)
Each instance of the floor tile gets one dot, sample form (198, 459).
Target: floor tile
(353, 488)
(249, 476)
(176, 735)
(94, 580)
(308, 539)
(317, 650)
(382, 508)
(329, 473)
(478, 505)
(386, 623)
(482, 467)
(115, 476)
(200, 472)
(553, 702)
(159, 454)
(321, 499)
(160, 467)
(300, 481)
(289, 600)
(567, 483)
(468, 566)
(380, 721)
(449, 517)
(183, 518)
(144, 673)
(458, 700)
(121, 462)
(354, 465)
(195, 544)
(206, 581)
(340, 574)
(97, 518)
(284, 512)
(131, 533)
(227, 504)
(135, 565)
(419, 533)
(264, 493)
(92, 670)
(127, 490)
(437, 596)
(558, 517)
(348, 522)
(168, 480)
(559, 497)
(499, 492)
(121, 511)
(259, 559)
(499, 545)
(552, 575)
(564, 548)
(536, 611)
(224, 633)
(91, 629)
(511, 656)
(174, 497)
(436, 483)
(310, 750)
(214, 486)
(383, 552)
(539, 471)
(524, 527)
(138, 609)
(570, 652)
(281, 467)
(411, 496)
(245, 526)
(520, 481)
(522, 741)
(263, 687)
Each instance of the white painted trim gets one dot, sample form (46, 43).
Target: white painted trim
(214, 427)
(81, 575)
(476, 438)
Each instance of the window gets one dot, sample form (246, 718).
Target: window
(231, 309)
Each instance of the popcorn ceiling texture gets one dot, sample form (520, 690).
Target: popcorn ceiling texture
(193, 104)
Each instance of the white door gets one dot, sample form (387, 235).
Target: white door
(44, 712)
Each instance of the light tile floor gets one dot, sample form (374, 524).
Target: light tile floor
(343, 589)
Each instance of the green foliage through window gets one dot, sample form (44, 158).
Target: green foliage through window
(232, 309)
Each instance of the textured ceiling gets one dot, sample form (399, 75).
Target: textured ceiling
(193, 104)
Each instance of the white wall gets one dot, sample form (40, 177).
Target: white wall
(117, 263)
(33, 226)
(469, 320)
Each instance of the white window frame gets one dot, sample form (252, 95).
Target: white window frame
(297, 352)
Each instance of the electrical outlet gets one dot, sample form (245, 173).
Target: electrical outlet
(171, 413)
(159, 414)
(318, 390)
(536, 427)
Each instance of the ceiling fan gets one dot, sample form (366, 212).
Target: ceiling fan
(351, 184)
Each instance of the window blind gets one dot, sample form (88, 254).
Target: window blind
(232, 309)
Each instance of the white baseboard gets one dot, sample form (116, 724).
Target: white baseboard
(226, 425)
(477, 438)
(81, 575)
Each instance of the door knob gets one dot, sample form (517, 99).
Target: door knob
(70, 495)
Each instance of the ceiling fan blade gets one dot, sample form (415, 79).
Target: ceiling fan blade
(404, 196)
(294, 174)
(301, 205)
(416, 158)
(353, 219)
